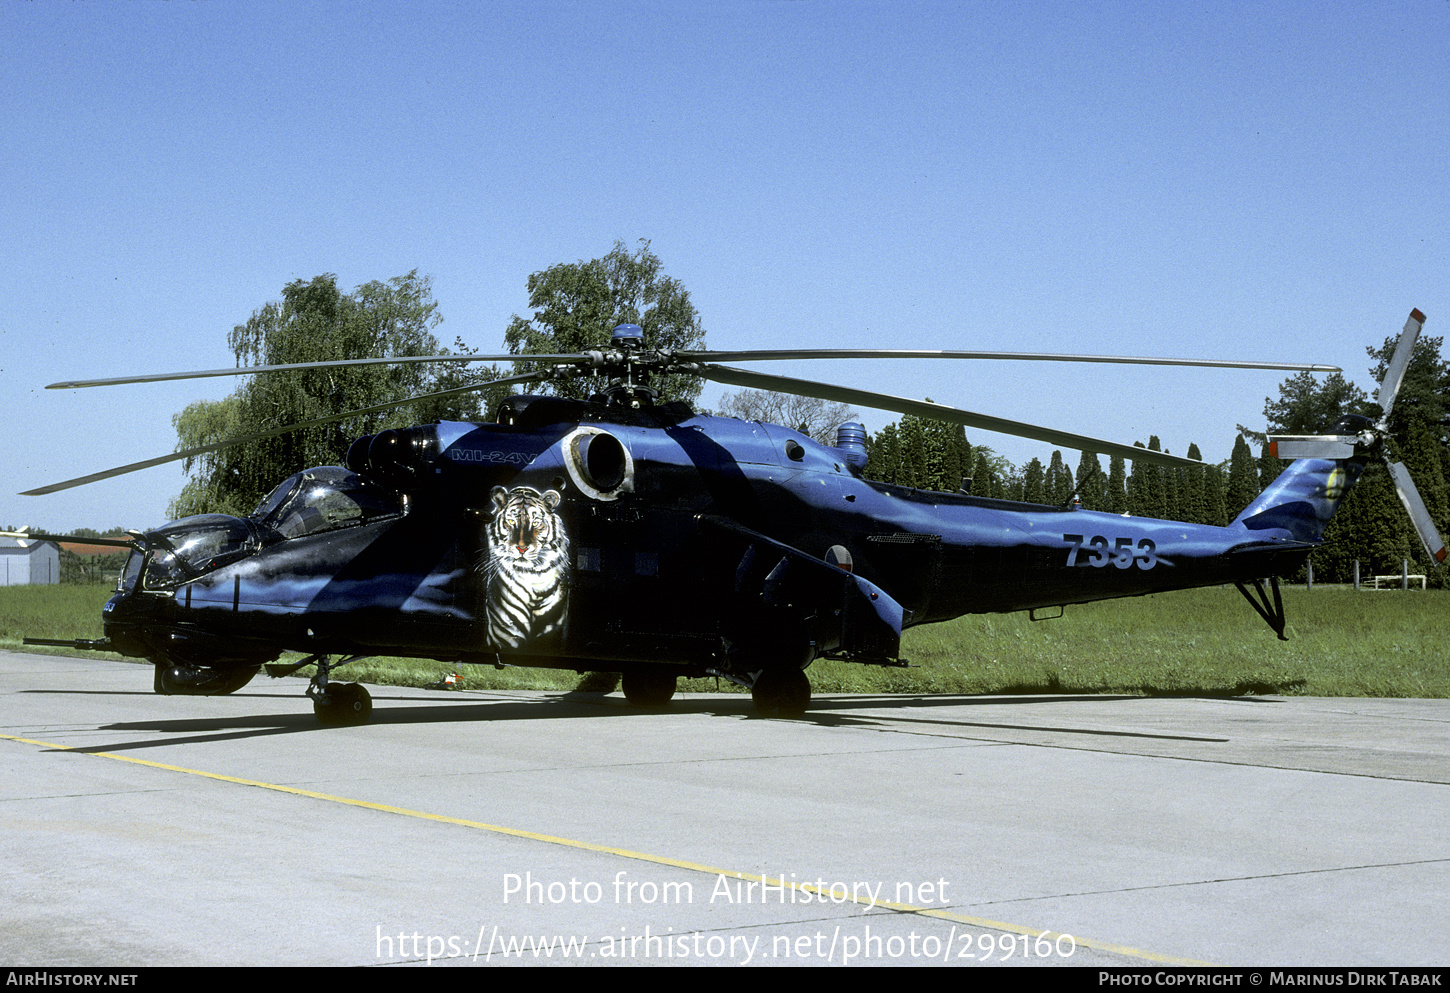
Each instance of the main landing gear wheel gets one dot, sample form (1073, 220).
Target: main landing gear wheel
(343, 704)
(781, 693)
(648, 687)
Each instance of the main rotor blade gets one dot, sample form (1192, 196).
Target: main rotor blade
(937, 412)
(272, 433)
(1419, 515)
(780, 354)
(69, 539)
(334, 364)
(1399, 362)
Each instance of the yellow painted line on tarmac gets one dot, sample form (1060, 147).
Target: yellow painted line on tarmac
(819, 894)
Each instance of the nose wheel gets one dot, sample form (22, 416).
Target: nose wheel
(342, 704)
(648, 687)
(335, 704)
(781, 693)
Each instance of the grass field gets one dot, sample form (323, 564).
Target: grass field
(1194, 642)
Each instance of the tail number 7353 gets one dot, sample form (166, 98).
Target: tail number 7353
(1101, 550)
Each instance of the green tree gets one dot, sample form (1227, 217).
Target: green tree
(911, 470)
(1192, 504)
(1058, 482)
(947, 455)
(1383, 537)
(577, 305)
(885, 455)
(1115, 496)
(1420, 428)
(1371, 526)
(1146, 493)
(1215, 510)
(1423, 457)
(954, 461)
(1034, 477)
(1172, 493)
(991, 473)
(1424, 394)
(206, 490)
(1243, 478)
(1091, 484)
(1307, 406)
(986, 473)
(314, 322)
(935, 455)
(1268, 468)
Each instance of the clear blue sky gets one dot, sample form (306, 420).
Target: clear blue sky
(1223, 180)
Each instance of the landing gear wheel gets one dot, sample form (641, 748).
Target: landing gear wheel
(781, 693)
(343, 704)
(648, 687)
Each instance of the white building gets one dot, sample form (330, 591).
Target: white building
(25, 561)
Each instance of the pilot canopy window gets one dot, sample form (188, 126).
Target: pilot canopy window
(324, 499)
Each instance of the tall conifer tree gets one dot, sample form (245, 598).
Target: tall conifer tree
(1115, 498)
(1033, 476)
(1192, 499)
(1243, 478)
(1215, 511)
(1090, 481)
(1058, 483)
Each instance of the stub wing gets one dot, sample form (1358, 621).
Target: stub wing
(848, 615)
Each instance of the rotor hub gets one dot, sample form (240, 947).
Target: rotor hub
(629, 336)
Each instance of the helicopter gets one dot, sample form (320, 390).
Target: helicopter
(623, 533)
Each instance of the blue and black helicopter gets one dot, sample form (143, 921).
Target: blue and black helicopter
(627, 534)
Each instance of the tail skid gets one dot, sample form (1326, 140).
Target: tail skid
(1272, 613)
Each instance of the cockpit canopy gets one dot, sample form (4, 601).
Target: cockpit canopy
(305, 503)
(322, 499)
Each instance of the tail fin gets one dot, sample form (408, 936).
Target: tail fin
(1303, 499)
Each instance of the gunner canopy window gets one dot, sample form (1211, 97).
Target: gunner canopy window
(323, 499)
(192, 547)
(130, 572)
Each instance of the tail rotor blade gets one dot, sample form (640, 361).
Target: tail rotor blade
(1312, 446)
(1419, 516)
(1399, 362)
